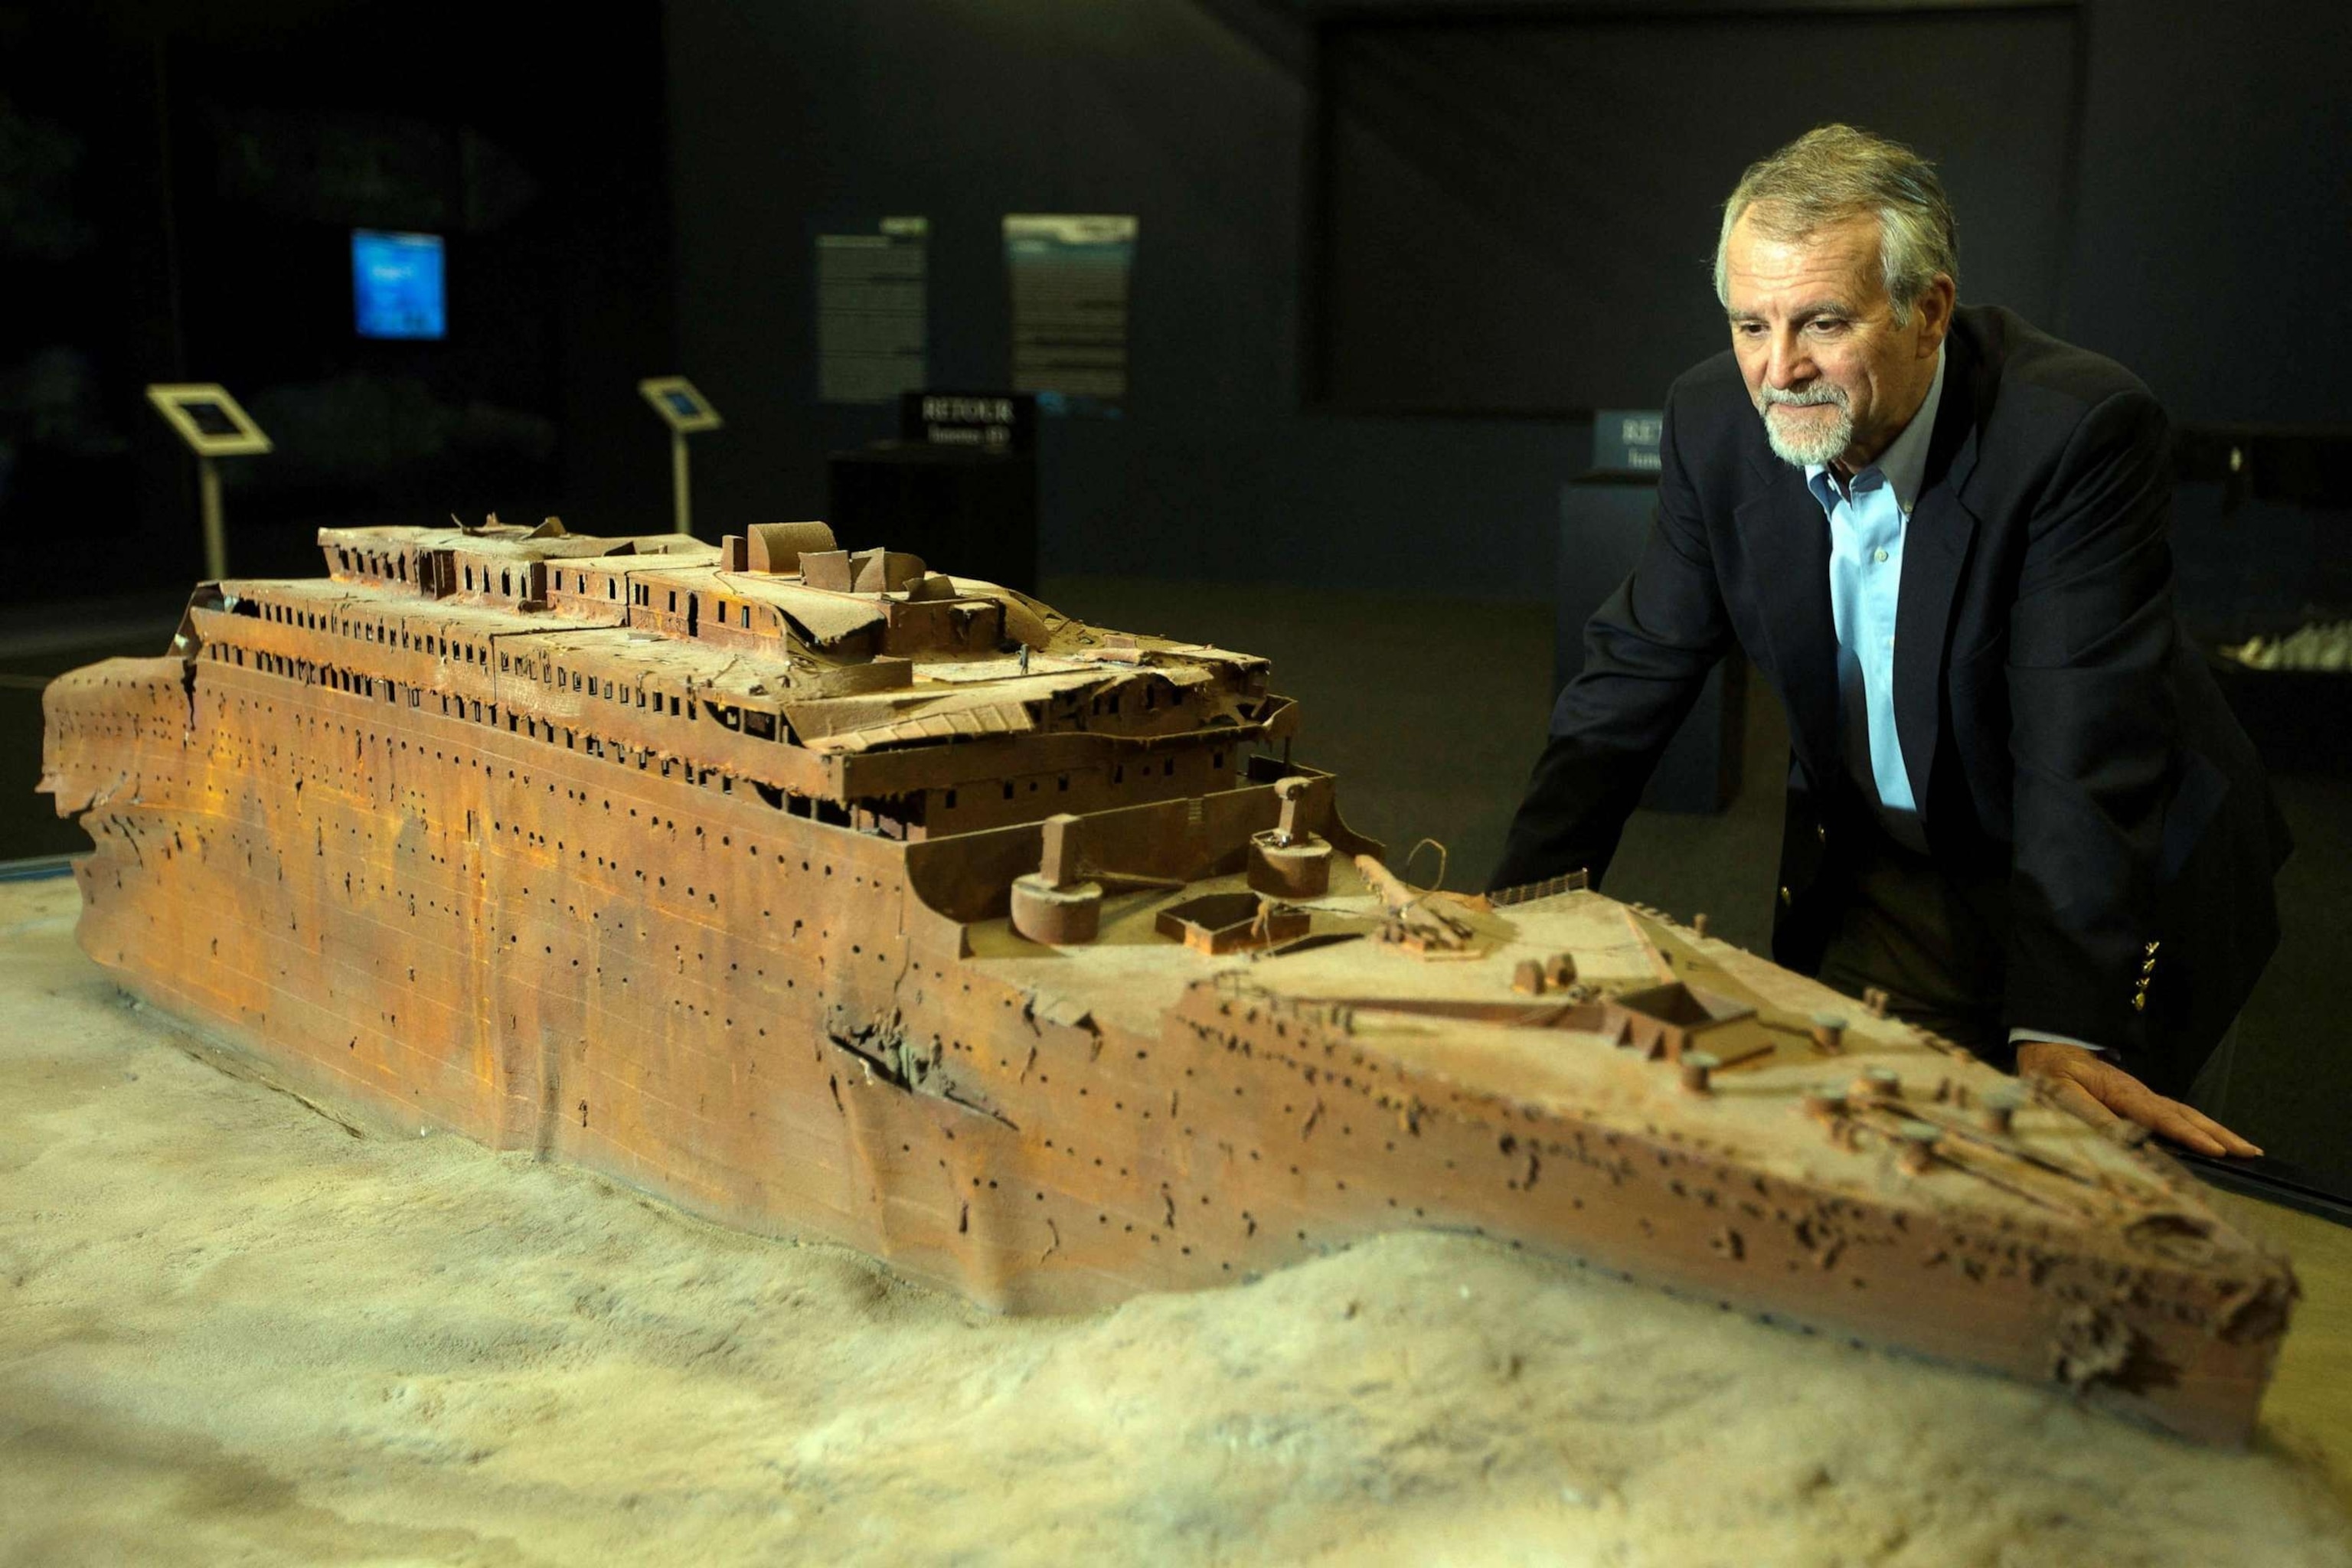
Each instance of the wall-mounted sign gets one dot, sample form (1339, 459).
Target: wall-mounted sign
(991, 421)
(1070, 274)
(871, 340)
(1625, 440)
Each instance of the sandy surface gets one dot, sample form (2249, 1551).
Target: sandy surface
(234, 1329)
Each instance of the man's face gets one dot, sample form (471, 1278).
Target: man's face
(1833, 377)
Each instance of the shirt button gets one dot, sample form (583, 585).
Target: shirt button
(1878, 555)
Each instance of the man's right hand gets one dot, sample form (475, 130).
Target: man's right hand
(2105, 1096)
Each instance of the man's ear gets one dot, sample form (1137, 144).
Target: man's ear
(1933, 309)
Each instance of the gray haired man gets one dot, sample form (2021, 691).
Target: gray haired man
(2030, 818)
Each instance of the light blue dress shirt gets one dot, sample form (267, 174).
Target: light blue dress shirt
(1867, 518)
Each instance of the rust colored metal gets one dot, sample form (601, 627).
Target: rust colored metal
(1997, 1111)
(1229, 922)
(1920, 1141)
(1823, 1105)
(1287, 861)
(1053, 904)
(824, 893)
(1876, 1084)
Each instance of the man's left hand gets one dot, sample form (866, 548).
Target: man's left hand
(2104, 1096)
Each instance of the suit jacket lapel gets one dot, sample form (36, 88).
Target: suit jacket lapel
(1787, 539)
(1935, 553)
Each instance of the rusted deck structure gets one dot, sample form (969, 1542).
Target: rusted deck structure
(822, 893)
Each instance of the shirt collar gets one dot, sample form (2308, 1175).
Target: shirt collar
(1903, 465)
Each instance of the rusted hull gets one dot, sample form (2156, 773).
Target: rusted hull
(781, 1024)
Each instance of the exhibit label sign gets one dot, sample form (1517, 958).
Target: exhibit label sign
(992, 421)
(1069, 275)
(872, 335)
(1625, 440)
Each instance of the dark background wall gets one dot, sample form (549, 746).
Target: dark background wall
(178, 184)
(787, 123)
(1518, 213)
(178, 187)
(2207, 248)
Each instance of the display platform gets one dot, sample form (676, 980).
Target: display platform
(236, 1324)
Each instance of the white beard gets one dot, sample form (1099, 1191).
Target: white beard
(1819, 442)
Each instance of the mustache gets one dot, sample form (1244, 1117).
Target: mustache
(1807, 398)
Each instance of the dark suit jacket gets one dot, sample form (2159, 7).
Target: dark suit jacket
(2062, 734)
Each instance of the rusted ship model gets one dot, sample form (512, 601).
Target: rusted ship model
(822, 893)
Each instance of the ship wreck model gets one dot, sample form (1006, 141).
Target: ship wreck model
(824, 894)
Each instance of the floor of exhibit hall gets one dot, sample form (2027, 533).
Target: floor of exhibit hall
(236, 1325)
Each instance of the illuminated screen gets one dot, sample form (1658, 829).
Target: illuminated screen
(396, 284)
(682, 405)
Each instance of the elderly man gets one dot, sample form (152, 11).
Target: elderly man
(2030, 818)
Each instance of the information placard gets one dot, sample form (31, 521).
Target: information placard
(1625, 440)
(872, 335)
(208, 419)
(991, 421)
(681, 407)
(1070, 274)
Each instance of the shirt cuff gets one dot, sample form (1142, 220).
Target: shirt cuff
(2016, 1036)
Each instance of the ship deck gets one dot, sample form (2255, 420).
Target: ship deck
(2053, 1166)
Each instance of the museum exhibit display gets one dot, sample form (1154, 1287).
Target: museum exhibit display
(826, 894)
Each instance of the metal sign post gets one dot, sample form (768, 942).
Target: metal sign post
(213, 425)
(686, 412)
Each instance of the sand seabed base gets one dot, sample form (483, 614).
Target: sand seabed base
(236, 1328)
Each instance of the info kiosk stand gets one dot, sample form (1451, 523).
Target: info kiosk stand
(1605, 515)
(209, 420)
(687, 412)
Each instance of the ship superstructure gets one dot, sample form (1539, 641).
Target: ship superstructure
(822, 893)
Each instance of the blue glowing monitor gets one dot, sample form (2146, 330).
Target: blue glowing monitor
(396, 284)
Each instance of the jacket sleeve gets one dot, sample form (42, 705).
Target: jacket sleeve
(2092, 734)
(1647, 652)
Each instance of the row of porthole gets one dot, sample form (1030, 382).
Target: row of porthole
(457, 708)
(468, 709)
(596, 746)
(433, 903)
